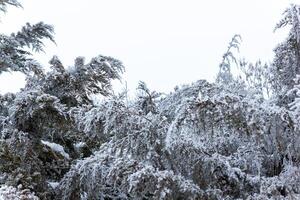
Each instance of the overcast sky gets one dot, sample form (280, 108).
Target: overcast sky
(162, 42)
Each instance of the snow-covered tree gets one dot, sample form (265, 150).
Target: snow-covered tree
(147, 99)
(225, 75)
(286, 64)
(220, 140)
(14, 56)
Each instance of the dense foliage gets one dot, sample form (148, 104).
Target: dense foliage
(236, 138)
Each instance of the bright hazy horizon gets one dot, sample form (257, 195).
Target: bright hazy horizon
(151, 38)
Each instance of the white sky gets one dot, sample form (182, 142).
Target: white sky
(162, 42)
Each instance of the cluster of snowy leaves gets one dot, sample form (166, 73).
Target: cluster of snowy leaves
(294, 93)
(12, 193)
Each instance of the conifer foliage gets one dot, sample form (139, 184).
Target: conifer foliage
(236, 138)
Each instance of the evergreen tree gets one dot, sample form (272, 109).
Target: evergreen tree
(220, 140)
(286, 65)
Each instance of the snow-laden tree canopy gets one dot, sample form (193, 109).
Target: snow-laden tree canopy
(235, 138)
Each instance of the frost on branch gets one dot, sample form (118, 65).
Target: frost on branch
(14, 56)
(11, 193)
(5, 3)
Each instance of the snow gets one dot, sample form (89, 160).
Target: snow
(12, 193)
(79, 145)
(53, 184)
(219, 140)
(107, 64)
(57, 148)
